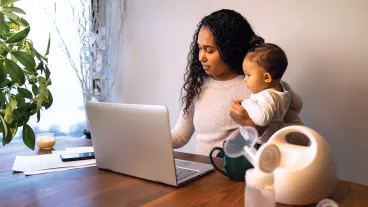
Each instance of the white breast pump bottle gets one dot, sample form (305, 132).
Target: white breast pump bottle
(259, 180)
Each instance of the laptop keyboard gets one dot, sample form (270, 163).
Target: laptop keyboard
(182, 173)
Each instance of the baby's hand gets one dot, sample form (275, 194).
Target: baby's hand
(236, 102)
(238, 113)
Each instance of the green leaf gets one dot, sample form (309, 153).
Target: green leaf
(44, 92)
(27, 72)
(30, 48)
(24, 22)
(38, 115)
(7, 2)
(41, 80)
(34, 89)
(24, 120)
(39, 56)
(2, 72)
(24, 107)
(2, 99)
(15, 72)
(4, 128)
(48, 45)
(30, 71)
(19, 36)
(14, 9)
(4, 83)
(25, 93)
(8, 138)
(20, 99)
(32, 106)
(12, 102)
(33, 70)
(24, 58)
(9, 116)
(29, 51)
(29, 137)
(11, 15)
(13, 131)
(3, 27)
(40, 66)
(50, 101)
(33, 109)
(47, 73)
(17, 115)
(39, 103)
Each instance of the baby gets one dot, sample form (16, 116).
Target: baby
(264, 66)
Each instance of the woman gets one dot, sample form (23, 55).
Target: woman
(214, 78)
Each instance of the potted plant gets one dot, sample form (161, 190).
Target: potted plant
(24, 76)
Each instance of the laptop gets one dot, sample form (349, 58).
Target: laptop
(135, 140)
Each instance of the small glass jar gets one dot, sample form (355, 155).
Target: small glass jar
(45, 140)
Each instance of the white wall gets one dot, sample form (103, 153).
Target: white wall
(326, 43)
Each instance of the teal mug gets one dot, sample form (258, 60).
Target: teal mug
(234, 167)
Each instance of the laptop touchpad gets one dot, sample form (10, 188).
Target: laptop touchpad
(182, 163)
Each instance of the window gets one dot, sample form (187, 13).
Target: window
(66, 117)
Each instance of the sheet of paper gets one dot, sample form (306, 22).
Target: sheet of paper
(37, 164)
(55, 170)
(42, 162)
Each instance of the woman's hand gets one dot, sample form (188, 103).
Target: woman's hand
(240, 116)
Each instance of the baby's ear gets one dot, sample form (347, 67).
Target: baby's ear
(267, 77)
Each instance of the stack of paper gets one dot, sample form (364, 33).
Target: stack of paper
(37, 164)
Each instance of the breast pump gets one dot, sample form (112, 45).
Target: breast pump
(284, 172)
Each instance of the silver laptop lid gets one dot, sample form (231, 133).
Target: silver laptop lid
(133, 140)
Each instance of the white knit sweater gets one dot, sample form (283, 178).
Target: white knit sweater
(210, 115)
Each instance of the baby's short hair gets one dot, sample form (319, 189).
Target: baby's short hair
(270, 57)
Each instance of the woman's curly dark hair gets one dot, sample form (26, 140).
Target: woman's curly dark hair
(233, 35)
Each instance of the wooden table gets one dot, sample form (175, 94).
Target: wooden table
(93, 187)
